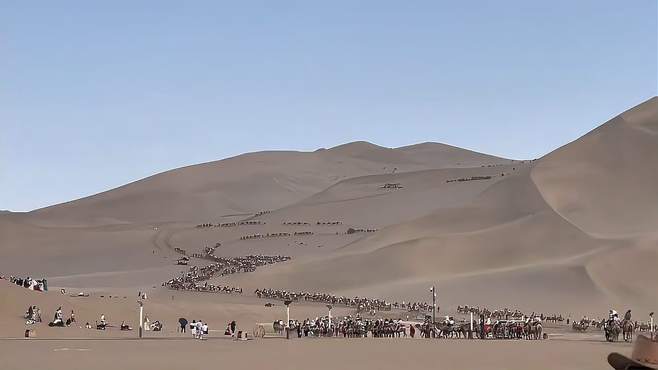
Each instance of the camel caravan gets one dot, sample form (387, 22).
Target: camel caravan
(362, 304)
(230, 224)
(348, 327)
(318, 223)
(191, 280)
(472, 178)
(613, 327)
(507, 314)
(392, 186)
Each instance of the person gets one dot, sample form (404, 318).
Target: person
(193, 328)
(72, 316)
(233, 327)
(199, 329)
(103, 322)
(58, 315)
(30, 313)
(204, 329)
(627, 315)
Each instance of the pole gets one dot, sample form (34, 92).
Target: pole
(433, 304)
(470, 333)
(141, 319)
(287, 316)
(287, 321)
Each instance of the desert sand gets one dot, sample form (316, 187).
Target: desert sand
(572, 233)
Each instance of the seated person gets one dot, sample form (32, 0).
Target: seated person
(156, 326)
(125, 326)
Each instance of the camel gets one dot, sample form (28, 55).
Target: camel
(612, 331)
(582, 326)
(533, 331)
(627, 330)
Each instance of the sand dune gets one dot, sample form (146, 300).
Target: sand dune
(245, 184)
(606, 181)
(574, 231)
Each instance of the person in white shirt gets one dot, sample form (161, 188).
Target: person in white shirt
(204, 330)
(199, 329)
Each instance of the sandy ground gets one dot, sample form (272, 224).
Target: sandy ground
(78, 348)
(371, 353)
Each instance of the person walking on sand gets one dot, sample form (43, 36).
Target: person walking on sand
(204, 329)
(199, 329)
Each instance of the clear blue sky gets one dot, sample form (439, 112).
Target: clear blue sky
(95, 94)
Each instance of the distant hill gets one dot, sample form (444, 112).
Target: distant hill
(249, 183)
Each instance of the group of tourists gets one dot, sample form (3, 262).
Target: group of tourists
(32, 315)
(199, 329)
(30, 283)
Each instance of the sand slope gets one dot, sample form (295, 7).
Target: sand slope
(572, 232)
(606, 181)
(247, 184)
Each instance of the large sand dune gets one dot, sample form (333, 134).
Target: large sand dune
(574, 231)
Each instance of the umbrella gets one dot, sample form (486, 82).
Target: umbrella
(183, 322)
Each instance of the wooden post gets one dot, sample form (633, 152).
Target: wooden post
(141, 319)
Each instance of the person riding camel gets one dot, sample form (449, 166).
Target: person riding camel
(627, 316)
(613, 318)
